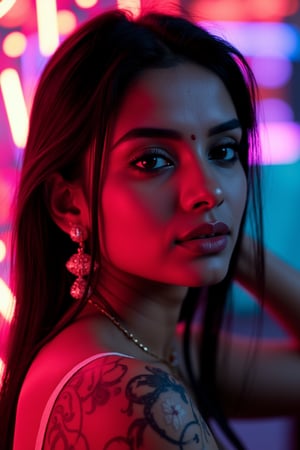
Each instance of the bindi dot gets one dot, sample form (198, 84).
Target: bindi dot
(193, 137)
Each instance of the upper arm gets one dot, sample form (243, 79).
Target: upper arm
(116, 402)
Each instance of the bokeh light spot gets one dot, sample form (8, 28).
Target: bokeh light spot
(5, 6)
(86, 3)
(15, 105)
(130, 5)
(66, 21)
(7, 304)
(14, 44)
(2, 250)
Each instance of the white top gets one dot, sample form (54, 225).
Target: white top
(50, 403)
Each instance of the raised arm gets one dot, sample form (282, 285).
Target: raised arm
(260, 377)
(282, 286)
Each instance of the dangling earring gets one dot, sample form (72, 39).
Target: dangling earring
(80, 263)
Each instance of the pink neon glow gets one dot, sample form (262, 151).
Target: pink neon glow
(14, 102)
(258, 10)
(47, 26)
(7, 188)
(7, 304)
(280, 142)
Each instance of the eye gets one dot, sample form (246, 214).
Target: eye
(153, 160)
(227, 152)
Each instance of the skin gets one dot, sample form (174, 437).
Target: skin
(142, 407)
(151, 199)
(148, 202)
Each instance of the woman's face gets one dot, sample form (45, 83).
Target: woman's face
(175, 190)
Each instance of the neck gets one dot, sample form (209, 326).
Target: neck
(142, 306)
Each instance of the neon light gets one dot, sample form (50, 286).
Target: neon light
(5, 6)
(7, 303)
(131, 5)
(265, 39)
(14, 44)
(47, 26)
(276, 110)
(2, 368)
(2, 250)
(66, 21)
(280, 142)
(272, 72)
(86, 3)
(15, 105)
(239, 10)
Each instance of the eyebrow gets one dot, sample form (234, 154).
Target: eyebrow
(149, 132)
(226, 126)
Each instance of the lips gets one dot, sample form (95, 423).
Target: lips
(205, 231)
(205, 240)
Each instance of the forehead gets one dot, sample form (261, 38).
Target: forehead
(179, 97)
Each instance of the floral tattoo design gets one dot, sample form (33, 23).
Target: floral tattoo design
(152, 401)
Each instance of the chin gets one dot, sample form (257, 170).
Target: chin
(207, 279)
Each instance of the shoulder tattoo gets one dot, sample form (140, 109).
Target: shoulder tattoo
(151, 404)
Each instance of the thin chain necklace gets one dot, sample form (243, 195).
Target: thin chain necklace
(171, 362)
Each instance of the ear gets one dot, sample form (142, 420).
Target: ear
(67, 203)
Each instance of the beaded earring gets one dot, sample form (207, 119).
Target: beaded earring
(80, 263)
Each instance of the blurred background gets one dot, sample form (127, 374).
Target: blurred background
(267, 33)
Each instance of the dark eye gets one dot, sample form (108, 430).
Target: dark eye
(151, 162)
(225, 152)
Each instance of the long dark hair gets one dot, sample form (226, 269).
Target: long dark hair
(75, 105)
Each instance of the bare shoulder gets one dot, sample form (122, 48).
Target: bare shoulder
(116, 402)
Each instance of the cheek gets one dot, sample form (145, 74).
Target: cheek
(134, 221)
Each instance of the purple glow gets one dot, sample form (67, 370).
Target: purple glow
(280, 142)
(275, 110)
(266, 39)
(272, 72)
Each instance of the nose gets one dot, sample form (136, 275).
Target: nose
(200, 190)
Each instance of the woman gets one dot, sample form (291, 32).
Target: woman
(130, 213)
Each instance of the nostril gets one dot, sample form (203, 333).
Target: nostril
(199, 204)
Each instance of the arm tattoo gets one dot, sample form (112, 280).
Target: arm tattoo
(156, 402)
(150, 389)
(91, 388)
